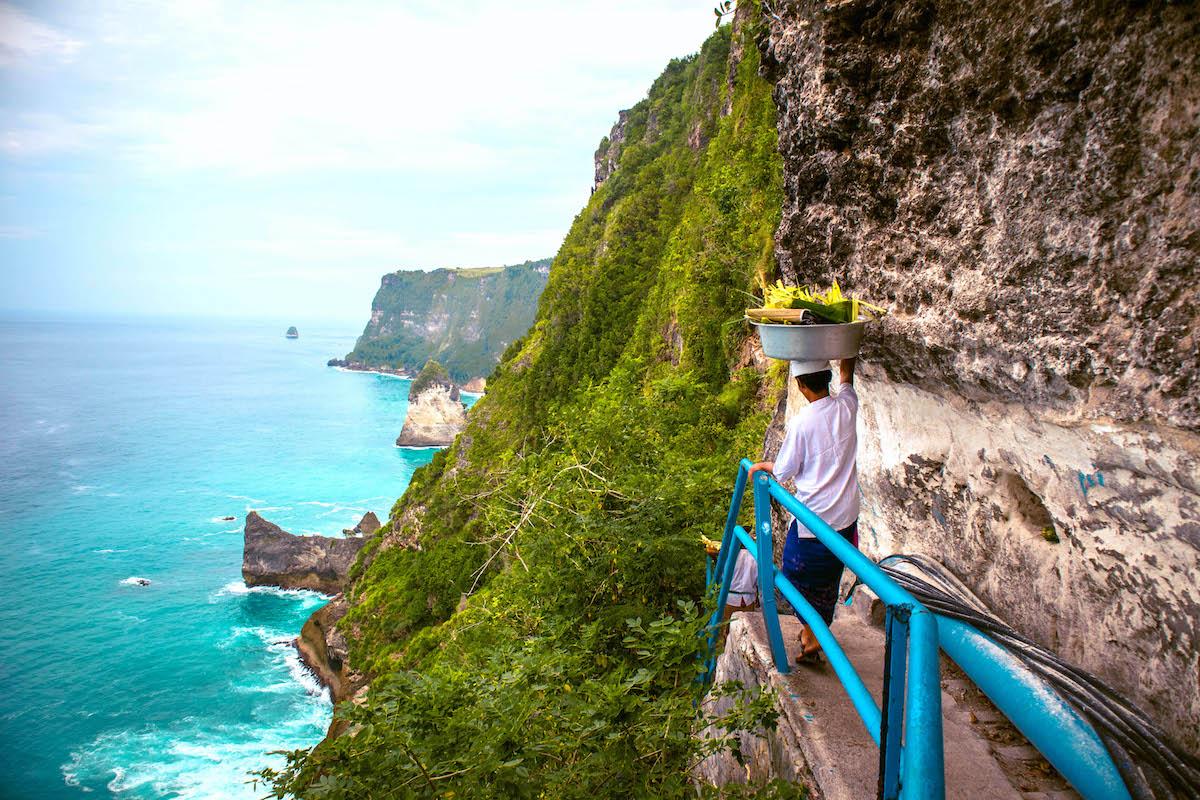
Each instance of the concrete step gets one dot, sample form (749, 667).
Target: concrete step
(831, 723)
(820, 740)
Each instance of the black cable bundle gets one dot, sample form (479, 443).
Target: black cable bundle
(1152, 766)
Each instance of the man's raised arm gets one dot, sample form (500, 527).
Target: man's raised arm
(846, 368)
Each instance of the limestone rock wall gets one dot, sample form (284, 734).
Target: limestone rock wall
(762, 754)
(1020, 182)
(435, 417)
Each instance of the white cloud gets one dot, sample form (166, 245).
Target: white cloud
(519, 245)
(288, 87)
(38, 134)
(199, 153)
(18, 232)
(323, 240)
(24, 39)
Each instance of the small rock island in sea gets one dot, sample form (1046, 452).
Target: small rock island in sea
(436, 413)
(292, 333)
(273, 557)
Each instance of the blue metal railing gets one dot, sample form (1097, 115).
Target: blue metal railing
(908, 729)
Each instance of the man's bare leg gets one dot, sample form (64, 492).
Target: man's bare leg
(808, 642)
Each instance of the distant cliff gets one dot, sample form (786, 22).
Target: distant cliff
(464, 318)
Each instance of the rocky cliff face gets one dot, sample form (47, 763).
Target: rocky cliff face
(464, 318)
(1021, 183)
(273, 557)
(436, 413)
(608, 154)
(323, 649)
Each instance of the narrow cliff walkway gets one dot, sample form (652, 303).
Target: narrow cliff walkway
(821, 741)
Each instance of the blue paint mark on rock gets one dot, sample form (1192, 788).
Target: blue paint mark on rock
(1089, 481)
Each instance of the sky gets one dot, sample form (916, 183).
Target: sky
(275, 158)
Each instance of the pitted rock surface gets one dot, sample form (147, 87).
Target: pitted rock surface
(1020, 182)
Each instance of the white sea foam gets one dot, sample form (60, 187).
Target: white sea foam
(264, 636)
(82, 488)
(414, 447)
(375, 372)
(237, 588)
(222, 533)
(50, 428)
(336, 510)
(303, 675)
(192, 759)
(107, 550)
(284, 653)
(117, 784)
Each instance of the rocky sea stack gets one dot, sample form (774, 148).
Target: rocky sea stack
(273, 557)
(366, 526)
(436, 414)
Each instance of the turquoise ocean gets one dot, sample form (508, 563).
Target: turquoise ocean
(123, 444)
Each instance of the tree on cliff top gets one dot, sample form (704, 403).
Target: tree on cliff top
(432, 374)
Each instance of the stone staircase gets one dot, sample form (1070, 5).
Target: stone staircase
(821, 743)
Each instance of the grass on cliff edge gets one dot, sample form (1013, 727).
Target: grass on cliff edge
(529, 618)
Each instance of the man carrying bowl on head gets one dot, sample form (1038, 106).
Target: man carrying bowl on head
(818, 452)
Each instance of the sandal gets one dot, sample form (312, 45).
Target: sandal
(809, 657)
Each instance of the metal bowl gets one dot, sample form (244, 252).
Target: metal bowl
(810, 342)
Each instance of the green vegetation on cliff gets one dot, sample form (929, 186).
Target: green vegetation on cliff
(431, 374)
(529, 617)
(463, 317)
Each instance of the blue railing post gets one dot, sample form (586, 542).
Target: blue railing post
(766, 570)
(923, 772)
(892, 724)
(735, 505)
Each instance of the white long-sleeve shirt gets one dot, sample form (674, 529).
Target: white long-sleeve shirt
(819, 448)
(743, 591)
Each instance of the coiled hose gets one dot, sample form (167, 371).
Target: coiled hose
(1151, 764)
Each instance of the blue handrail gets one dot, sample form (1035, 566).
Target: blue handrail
(908, 729)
